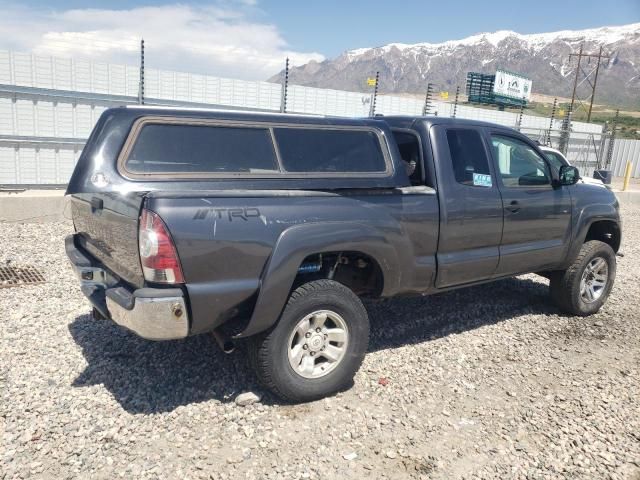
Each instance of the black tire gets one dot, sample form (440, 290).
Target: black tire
(268, 352)
(565, 285)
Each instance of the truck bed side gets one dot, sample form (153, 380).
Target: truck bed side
(228, 242)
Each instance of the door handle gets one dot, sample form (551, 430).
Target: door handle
(513, 207)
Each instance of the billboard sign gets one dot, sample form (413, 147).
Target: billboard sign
(512, 85)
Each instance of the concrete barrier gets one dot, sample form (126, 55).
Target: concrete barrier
(33, 206)
(629, 197)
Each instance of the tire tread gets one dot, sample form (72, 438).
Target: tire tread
(562, 283)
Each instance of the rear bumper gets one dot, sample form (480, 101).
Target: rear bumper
(151, 313)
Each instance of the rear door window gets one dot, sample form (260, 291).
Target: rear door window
(468, 157)
(316, 150)
(184, 148)
(411, 154)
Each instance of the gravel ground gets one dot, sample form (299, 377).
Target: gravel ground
(488, 382)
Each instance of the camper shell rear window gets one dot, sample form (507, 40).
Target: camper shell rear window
(169, 148)
(202, 149)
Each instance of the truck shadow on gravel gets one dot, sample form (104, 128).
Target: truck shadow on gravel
(154, 377)
(398, 322)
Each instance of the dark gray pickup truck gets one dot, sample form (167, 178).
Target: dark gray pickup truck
(273, 227)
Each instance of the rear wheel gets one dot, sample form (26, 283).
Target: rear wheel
(583, 288)
(316, 347)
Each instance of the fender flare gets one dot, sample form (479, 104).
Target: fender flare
(587, 217)
(300, 241)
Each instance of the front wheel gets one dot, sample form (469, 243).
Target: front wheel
(583, 288)
(316, 347)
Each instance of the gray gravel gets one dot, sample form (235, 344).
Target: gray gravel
(489, 382)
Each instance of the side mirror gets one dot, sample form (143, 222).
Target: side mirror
(569, 175)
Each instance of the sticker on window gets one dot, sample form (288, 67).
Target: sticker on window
(482, 180)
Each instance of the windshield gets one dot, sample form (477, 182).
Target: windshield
(555, 159)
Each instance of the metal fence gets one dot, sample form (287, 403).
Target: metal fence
(49, 105)
(626, 150)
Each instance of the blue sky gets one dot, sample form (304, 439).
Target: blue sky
(250, 38)
(332, 26)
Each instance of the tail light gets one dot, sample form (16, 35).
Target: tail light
(160, 262)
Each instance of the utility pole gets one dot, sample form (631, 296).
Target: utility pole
(595, 82)
(575, 80)
(285, 88)
(372, 110)
(586, 78)
(141, 84)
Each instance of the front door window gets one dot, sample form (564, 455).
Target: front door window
(519, 164)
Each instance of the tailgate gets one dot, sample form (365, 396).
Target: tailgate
(107, 228)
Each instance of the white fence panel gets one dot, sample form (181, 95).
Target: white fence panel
(320, 101)
(64, 120)
(22, 69)
(43, 72)
(6, 72)
(63, 73)
(37, 165)
(100, 78)
(66, 162)
(47, 166)
(27, 165)
(198, 83)
(132, 80)
(81, 76)
(6, 117)
(269, 96)
(83, 121)
(396, 105)
(8, 164)
(117, 79)
(46, 119)
(539, 123)
(225, 91)
(151, 83)
(25, 116)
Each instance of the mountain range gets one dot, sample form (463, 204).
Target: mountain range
(542, 57)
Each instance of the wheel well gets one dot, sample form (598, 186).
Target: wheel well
(606, 231)
(355, 270)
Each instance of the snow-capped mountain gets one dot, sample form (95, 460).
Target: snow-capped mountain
(543, 57)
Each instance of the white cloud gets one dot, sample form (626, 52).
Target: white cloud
(221, 40)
